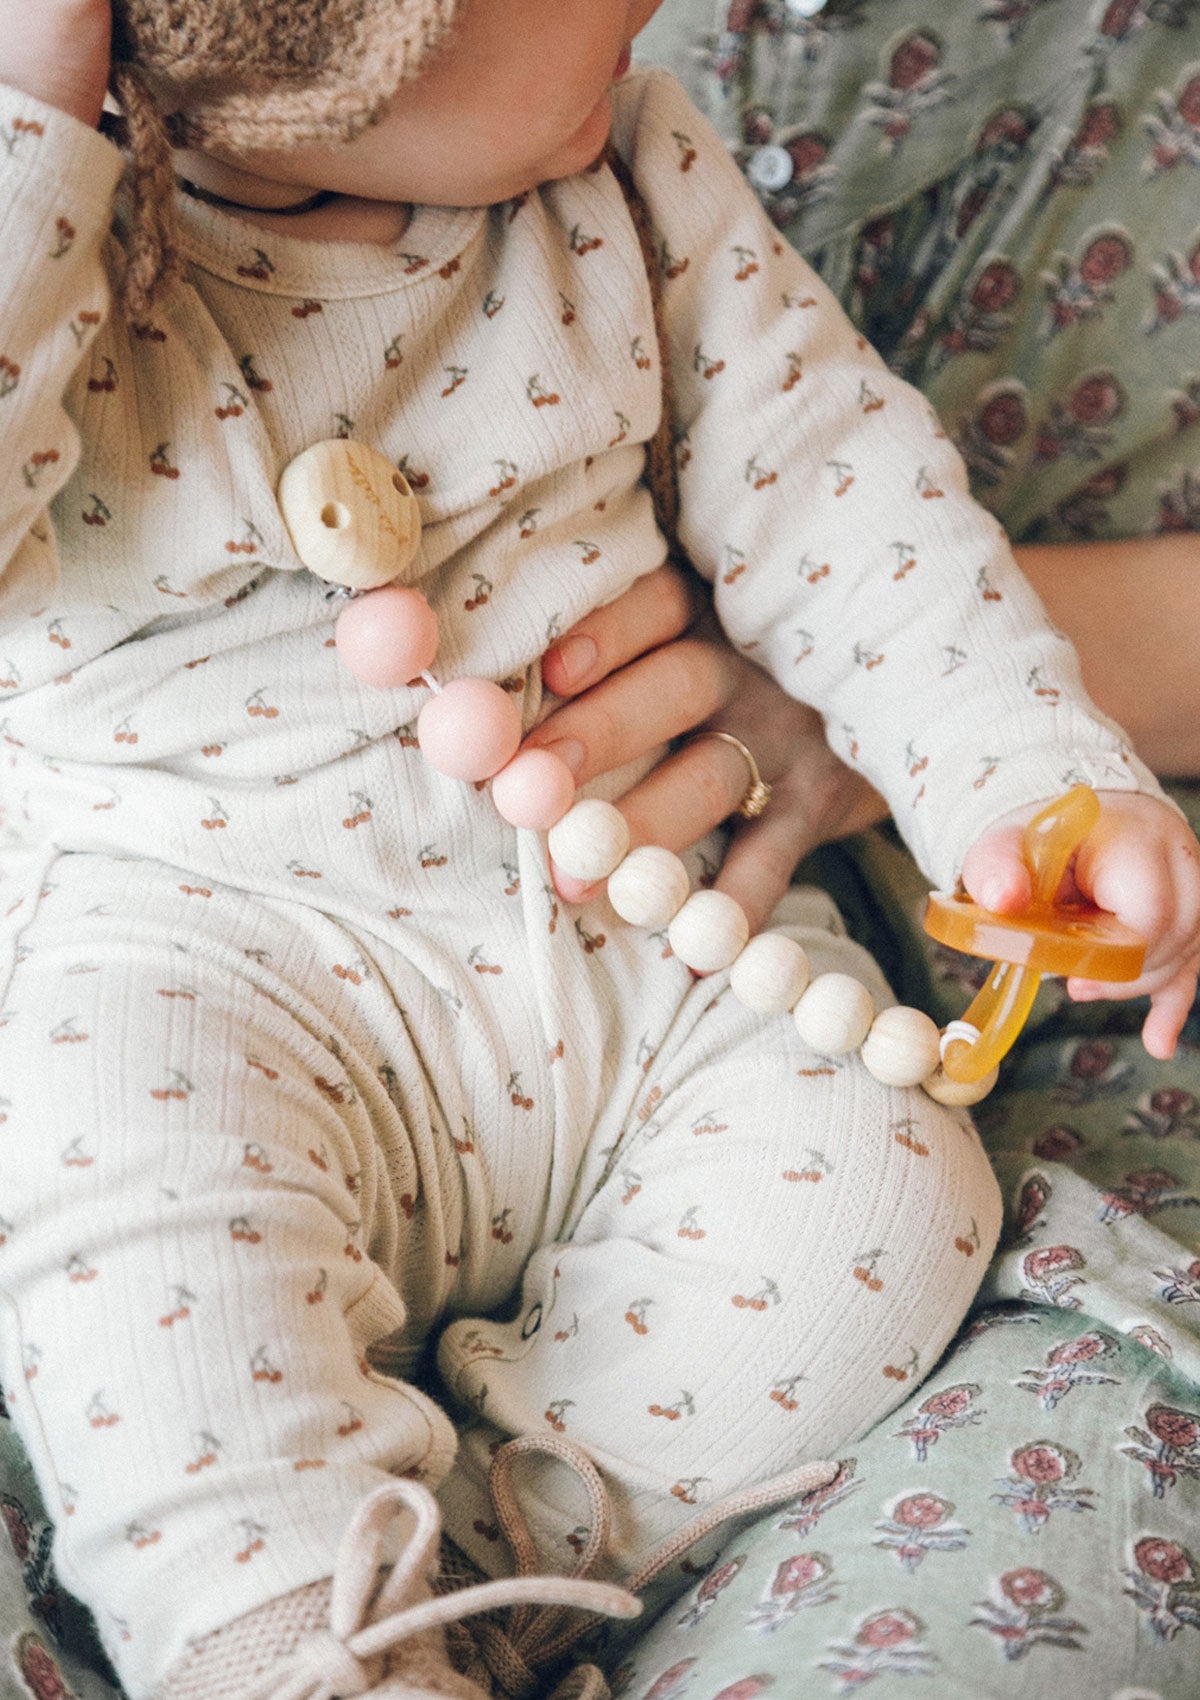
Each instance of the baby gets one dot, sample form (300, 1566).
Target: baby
(302, 1065)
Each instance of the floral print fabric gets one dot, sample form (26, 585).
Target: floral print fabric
(1006, 196)
(1022, 1530)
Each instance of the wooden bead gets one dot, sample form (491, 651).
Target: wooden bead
(902, 1047)
(771, 974)
(590, 840)
(709, 932)
(352, 517)
(834, 1015)
(959, 1093)
(650, 886)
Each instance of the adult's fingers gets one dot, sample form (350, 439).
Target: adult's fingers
(762, 858)
(655, 609)
(694, 789)
(815, 798)
(646, 703)
(677, 803)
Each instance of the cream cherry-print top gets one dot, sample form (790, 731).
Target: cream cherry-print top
(167, 664)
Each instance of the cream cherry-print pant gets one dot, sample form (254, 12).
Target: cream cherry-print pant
(241, 1190)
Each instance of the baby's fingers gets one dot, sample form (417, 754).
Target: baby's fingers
(1152, 886)
(1171, 1000)
(1168, 1011)
(995, 873)
(1132, 882)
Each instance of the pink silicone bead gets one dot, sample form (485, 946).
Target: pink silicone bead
(535, 790)
(469, 729)
(388, 636)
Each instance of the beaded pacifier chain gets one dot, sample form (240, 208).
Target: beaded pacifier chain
(355, 523)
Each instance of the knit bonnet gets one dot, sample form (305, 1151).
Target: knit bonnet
(248, 74)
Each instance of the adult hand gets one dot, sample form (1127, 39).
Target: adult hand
(636, 677)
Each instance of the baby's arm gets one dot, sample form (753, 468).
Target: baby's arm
(57, 178)
(832, 513)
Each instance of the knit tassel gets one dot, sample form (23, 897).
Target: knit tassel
(152, 245)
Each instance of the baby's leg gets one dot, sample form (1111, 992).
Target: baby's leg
(197, 1220)
(783, 1247)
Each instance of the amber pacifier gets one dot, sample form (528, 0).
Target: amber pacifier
(1046, 938)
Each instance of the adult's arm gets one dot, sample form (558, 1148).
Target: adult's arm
(1132, 609)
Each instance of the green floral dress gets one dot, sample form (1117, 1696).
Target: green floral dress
(1006, 195)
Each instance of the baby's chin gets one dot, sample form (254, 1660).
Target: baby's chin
(567, 159)
(285, 179)
(585, 146)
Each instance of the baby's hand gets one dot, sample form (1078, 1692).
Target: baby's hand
(1141, 863)
(58, 50)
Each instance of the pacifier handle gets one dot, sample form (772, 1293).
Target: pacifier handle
(1052, 838)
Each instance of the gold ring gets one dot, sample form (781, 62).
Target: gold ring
(757, 793)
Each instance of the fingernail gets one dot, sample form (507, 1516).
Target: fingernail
(572, 890)
(569, 750)
(575, 657)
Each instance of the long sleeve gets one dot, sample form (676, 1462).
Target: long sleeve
(57, 179)
(831, 513)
